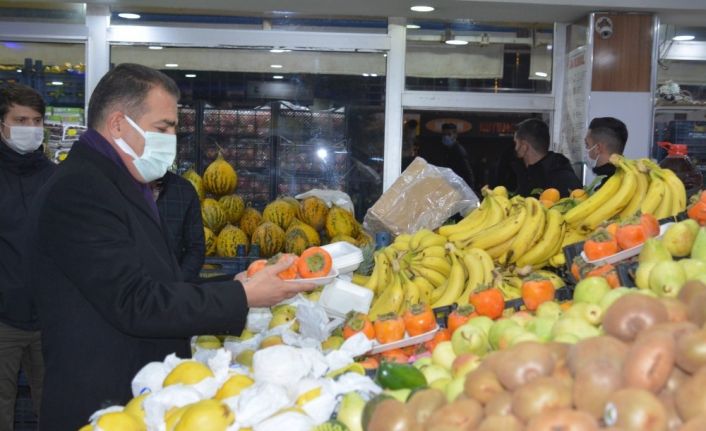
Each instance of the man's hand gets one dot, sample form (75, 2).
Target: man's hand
(265, 288)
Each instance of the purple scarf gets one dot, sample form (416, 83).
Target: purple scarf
(95, 141)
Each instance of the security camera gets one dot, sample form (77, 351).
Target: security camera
(604, 27)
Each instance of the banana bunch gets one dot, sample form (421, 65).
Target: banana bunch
(636, 186)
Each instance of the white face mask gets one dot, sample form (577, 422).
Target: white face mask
(24, 139)
(590, 161)
(156, 158)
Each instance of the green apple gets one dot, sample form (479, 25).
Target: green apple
(654, 251)
(591, 313)
(440, 384)
(270, 341)
(435, 372)
(575, 326)
(465, 363)
(550, 309)
(499, 326)
(667, 279)
(469, 339)
(692, 268)
(591, 290)
(245, 358)
(542, 327)
(566, 338)
(642, 275)
(678, 239)
(419, 363)
(612, 296)
(455, 388)
(351, 411)
(524, 336)
(508, 336)
(482, 322)
(443, 354)
(522, 318)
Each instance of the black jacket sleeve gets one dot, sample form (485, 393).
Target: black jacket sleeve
(93, 241)
(194, 244)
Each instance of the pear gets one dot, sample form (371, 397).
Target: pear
(542, 327)
(245, 357)
(591, 313)
(206, 415)
(698, 250)
(233, 386)
(575, 327)
(612, 296)
(654, 251)
(642, 275)
(119, 421)
(351, 411)
(693, 268)
(679, 239)
(667, 279)
(134, 407)
(549, 309)
(188, 373)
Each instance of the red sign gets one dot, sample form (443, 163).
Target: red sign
(462, 126)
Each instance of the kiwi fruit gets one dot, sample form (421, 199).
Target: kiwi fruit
(558, 350)
(523, 363)
(675, 329)
(649, 362)
(497, 422)
(691, 351)
(590, 349)
(696, 308)
(676, 310)
(424, 402)
(696, 424)
(690, 397)
(460, 415)
(499, 405)
(635, 410)
(482, 385)
(543, 393)
(594, 383)
(563, 420)
(689, 290)
(676, 378)
(631, 314)
(674, 422)
(392, 415)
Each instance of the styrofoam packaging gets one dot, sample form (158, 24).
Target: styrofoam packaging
(341, 297)
(346, 257)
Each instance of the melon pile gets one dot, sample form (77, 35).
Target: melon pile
(285, 224)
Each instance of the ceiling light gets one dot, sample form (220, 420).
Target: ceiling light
(276, 66)
(57, 83)
(413, 26)
(457, 42)
(421, 8)
(278, 77)
(19, 70)
(171, 65)
(322, 153)
(541, 74)
(366, 74)
(374, 75)
(550, 47)
(190, 75)
(155, 47)
(384, 55)
(279, 50)
(129, 15)
(683, 37)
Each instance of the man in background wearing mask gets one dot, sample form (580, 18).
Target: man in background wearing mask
(23, 170)
(543, 169)
(450, 154)
(110, 293)
(606, 136)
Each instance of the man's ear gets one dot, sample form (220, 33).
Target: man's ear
(114, 124)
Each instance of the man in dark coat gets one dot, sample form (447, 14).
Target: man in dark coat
(23, 170)
(110, 293)
(451, 154)
(180, 212)
(541, 168)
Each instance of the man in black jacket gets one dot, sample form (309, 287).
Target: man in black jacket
(23, 170)
(451, 154)
(606, 136)
(543, 169)
(110, 293)
(180, 211)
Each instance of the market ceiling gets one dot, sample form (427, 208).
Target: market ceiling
(680, 12)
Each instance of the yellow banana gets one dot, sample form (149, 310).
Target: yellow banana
(499, 233)
(558, 260)
(474, 218)
(496, 252)
(545, 248)
(555, 279)
(438, 292)
(496, 213)
(360, 279)
(438, 264)
(572, 236)
(401, 243)
(455, 283)
(386, 275)
(374, 280)
(642, 184)
(678, 191)
(476, 276)
(531, 230)
(424, 286)
(511, 287)
(434, 277)
(417, 238)
(432, 240)
(389, 301)
(500, 191)
(411, 292)
(577, 214)
(433, 251)
(618, 201)
(655, 194)
(486, 262)
(664, 209)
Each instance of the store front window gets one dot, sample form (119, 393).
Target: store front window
(57, 72)
(467, 56)
(288, 121)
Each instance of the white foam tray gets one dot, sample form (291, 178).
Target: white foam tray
(625, 254)
(405, 342)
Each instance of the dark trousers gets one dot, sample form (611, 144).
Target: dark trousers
(18, 348)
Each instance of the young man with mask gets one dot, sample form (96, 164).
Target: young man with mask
(23, 171)
(606, 136)
(450, 154)
(110, 293)
(543, 169)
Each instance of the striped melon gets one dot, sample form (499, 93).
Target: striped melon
(229, 239)
(293, 202)
(299, 237)
(346, 238)
(213, 215)
(250, 220)
(220, 178)
(270, 238)
(313, 211)
(234, 206)
(210, 240)
(279, 212)
(341, 222)
(196, 181)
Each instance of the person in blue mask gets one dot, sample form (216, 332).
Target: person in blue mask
(606, 136)
(110, 294)
(24, 169)
(450, 154)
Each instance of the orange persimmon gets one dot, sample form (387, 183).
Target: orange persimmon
(289, 273)
(443, 334)
(599, 245)
(489, 302)
(418, 319)
(460, 316)
(358, 322)
(256, 267)
(389, 328)
(314, 262)
(651, 224)
(608, 272)
(395, 355)
(536, 290)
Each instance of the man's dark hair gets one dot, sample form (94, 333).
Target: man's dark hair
(535, 132)
(126, 86)
(18, 94)
(448, 126)
(609, 131)
(411, 124)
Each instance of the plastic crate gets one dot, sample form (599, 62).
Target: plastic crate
(687, 130)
